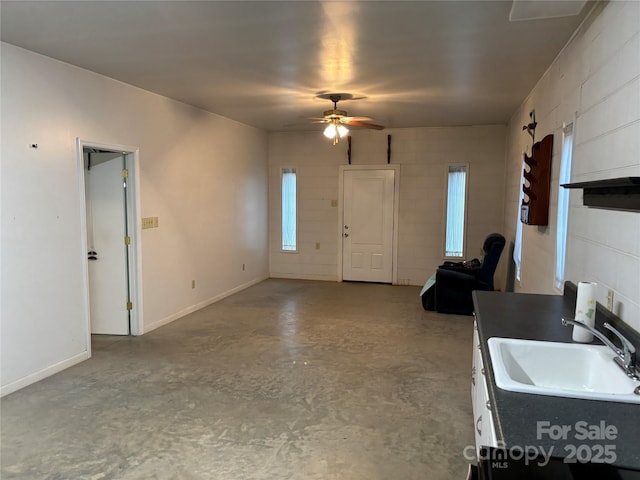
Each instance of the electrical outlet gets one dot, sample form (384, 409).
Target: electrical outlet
(193, 284)
(317, 245)
(610, 300)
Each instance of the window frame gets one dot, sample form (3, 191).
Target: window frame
(465, 206)
(283, 171)
(564, 200)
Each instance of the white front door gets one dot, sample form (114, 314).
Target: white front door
(367, 239)
(106, 231)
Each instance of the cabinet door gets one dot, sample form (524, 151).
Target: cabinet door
(474, 367)
(488, 434)
(483, 421)
(476, 390)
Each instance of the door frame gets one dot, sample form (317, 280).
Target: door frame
(133, 224)
(396, 209)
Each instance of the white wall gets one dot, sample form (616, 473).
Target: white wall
(423, 154)
(204, 176)
(598, 76)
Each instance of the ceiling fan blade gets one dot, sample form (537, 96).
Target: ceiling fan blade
(318, 119)
(356, 119)
(373, 126)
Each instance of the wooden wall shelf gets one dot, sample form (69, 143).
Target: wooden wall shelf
(535, 206)
(614, 193)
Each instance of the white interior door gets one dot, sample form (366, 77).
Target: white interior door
(367, 248)
(108, 256)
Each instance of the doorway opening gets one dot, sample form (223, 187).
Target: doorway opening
(108, 177)
(368, 223)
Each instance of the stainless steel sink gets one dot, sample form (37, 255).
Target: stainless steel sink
(560, 370)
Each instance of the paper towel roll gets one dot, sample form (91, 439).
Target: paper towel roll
(585, 311)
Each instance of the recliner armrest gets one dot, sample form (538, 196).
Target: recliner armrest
(457, 278)
(470, 268)
(453, 291)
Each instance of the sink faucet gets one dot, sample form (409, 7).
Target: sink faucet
(625, 356)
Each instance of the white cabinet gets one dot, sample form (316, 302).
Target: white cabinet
(483, 421)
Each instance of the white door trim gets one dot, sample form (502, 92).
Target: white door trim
(134, 227)
(396, 205)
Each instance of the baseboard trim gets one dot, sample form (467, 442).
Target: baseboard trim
(42, 374)
(193, 308)
(298, 276)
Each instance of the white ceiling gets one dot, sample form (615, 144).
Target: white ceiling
(417, 63)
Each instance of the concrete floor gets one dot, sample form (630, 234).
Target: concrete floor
(285, 380)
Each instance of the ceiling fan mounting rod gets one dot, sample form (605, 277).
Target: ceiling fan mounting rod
(335, 99)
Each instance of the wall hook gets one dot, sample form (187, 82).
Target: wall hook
(531, 126)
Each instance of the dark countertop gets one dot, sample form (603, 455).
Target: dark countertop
(516, 415)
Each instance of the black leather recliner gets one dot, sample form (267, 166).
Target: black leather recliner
(456, 281)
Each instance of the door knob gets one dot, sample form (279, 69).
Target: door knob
(346, 234)
(346, 227)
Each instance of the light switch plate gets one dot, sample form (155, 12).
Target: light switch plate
(149, 222)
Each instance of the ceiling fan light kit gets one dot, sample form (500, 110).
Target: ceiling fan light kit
(335, 131)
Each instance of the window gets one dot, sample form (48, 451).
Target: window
(563, 204)
(517, 247)
(456, 206)
(289, 210)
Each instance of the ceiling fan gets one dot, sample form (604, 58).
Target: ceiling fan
(337, 119)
